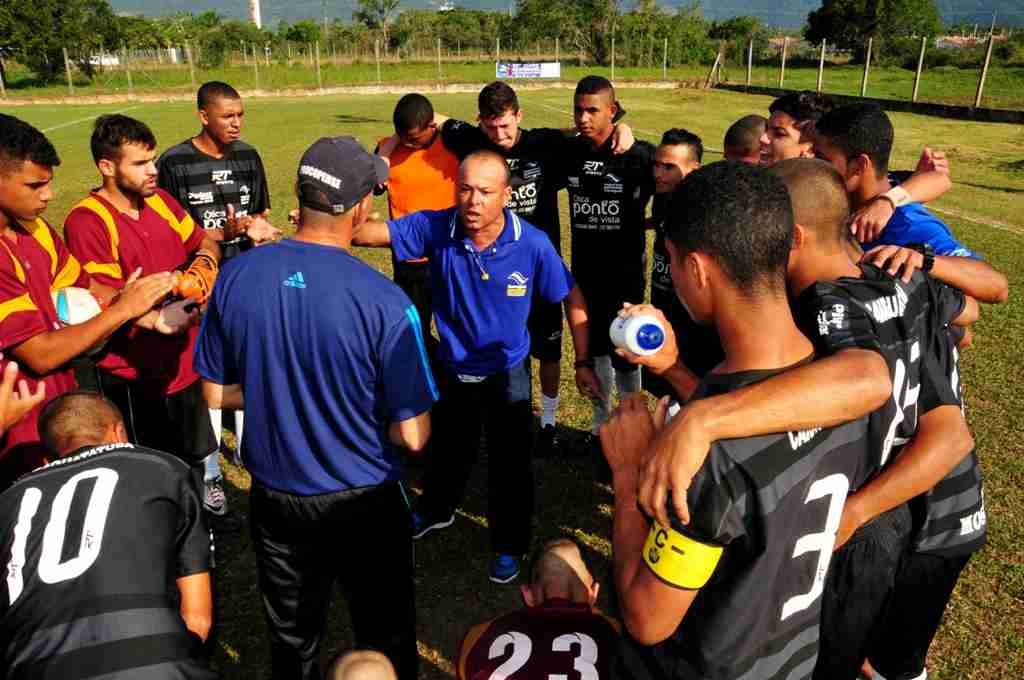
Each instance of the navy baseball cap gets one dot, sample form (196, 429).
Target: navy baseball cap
(336, 173)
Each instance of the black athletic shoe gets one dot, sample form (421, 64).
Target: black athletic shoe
(548, 444)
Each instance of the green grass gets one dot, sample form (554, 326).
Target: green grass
(946, 85)
(983, 636)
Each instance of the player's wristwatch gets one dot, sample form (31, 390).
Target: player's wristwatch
(927, 254)
(583, 363)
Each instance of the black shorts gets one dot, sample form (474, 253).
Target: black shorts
(603, 305)
(545, 326)
(924, 585)
(858, 588)
(177, 423)
(414, 280)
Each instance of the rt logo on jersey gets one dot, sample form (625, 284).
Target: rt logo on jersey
(828, 318)
(593, 167)
(516, 285)
(221, 177)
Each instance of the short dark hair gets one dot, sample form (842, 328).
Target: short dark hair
(76, 419)
(803, 106)
(594, 85)
(496, 99)
(681, 137)
(412, 112)
(20, 142)
(860, 129)
(215, 89)
(111, 132)
(746, 132)
(819, 198)
(740, 215)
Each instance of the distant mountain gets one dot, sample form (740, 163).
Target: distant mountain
(789, 13)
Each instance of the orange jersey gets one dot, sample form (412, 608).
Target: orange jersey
(421, 179)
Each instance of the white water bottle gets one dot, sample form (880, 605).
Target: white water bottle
(641, 334)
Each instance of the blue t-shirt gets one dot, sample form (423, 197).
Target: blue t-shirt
(481, 299)
(329, 353)
(913, 223)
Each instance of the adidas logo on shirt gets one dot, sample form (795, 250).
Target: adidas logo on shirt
(296, 280)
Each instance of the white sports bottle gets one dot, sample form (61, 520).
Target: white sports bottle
(642, 334)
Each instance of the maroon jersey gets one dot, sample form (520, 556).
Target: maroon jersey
(557, 639)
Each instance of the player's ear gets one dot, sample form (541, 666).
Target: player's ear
(698, 267)
(107, 167)
(528, 598)
(120, 433)
(799, 236)
(204, 117)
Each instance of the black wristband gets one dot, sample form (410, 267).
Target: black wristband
(584, 363)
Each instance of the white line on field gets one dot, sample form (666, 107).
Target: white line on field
(84, 120)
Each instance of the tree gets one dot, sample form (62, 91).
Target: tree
(377, 14)
(849, 23)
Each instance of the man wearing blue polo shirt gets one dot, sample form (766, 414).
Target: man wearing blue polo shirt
(327, 356)
(486, 265)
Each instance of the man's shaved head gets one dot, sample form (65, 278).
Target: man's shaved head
(78, 419)
(818, 194)
(743, 138)
(478, 158)
(362, 664)
(559, 571)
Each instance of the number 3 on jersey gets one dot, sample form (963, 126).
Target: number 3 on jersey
(585, 663)
(51, 569)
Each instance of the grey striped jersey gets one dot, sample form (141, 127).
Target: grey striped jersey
(205, 186)
(951, 517)
(91, 546)
(774, 502)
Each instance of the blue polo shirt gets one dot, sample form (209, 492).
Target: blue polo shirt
(481, 299)
(914, 223)
(329, 353)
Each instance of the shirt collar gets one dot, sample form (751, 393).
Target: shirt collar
(512, 232)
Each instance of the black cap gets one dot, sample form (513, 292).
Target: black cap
(336, 173)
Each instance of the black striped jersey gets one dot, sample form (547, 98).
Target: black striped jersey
(770, 506)
(91, 546)
(951, 518)
(608, 196)
(700, 348)
(558, 638)
(205, 185)
(895, 319)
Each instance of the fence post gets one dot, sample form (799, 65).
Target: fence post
(497, 51)
(613, 58)
(255, 65)
(664, 61)
(127, 69)
(821, 67)
(288, 43)
(266, 54)
(191, 66)
(439, 77)
(3, 77)
(319, 78)
(984, 72)
(67, 69)
(714, 67)
(750, 61)
(556, 49)
(867, 68)
(920, 64)
(245, 53)
(782, 69)
(376, 56)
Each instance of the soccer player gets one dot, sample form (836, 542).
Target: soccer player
(127, 224)
(857, 140)
(90, 544)
(608, 197)
(743, 140)
(332, 367)
(487, 265)
(558, 632)
(738, 586)
(422, 177)
(35, 262)
(534, 157)
(843, 305)
(679, 154)
(221, 182)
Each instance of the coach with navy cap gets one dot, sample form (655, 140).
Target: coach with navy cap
(486, 266)
(326, 355)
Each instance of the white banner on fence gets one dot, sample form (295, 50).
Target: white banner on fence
(551, 69)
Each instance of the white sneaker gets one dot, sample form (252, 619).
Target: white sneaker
(214, 500)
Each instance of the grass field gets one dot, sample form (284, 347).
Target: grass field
(983, 636)
(1004, 87)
